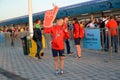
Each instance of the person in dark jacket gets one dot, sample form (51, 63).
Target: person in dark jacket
(37, 37)
(67, 40)
(12, 35)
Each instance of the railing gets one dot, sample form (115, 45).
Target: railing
(107, 42)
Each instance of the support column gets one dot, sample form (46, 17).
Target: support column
(30, 18)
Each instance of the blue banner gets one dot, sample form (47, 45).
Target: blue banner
(92, 39)
(2, 37)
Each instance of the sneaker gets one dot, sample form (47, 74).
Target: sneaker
(42, 54)
(70, 53)
(61, 72)
(79, 57)
(116, 51)
(57, 72)
(39, 57)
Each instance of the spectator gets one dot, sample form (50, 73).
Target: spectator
(12, 35)
(6, 28)
(91, 25)
(104, 33)
(87, 24)
(82, 24)
(67, 40)
(118, 21)
(112, 27)
(38, 24)
(22, 30)
(70, 28)
(76, 35)
(19, 28)
(37, 37)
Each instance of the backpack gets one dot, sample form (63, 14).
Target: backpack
(81, 32)
(102, 24)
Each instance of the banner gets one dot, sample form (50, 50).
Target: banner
(92, 39)
(2, 37)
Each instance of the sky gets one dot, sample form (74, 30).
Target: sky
(15, 8)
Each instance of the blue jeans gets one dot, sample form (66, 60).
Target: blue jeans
(114, 43)
(39, 48)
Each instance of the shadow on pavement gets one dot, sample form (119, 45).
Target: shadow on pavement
(11, 75)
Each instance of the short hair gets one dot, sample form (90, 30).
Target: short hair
(118, 16)
(105, 16)
(66, 17)
(37, 20)
(76, 20)
(111, 17)
(60, 18)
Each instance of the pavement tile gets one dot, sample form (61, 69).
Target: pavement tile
(91, 66)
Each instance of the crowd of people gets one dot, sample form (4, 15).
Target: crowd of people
(60, 33)
(15, 28)
(13, 31)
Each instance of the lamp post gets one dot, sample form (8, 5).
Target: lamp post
(30, 18)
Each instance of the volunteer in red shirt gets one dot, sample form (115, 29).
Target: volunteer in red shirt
(59, 33)
(112, 27)
(76, 36)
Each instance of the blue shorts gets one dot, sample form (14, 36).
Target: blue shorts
(57, 53)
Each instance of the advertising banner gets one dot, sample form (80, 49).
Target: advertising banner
(92, 39)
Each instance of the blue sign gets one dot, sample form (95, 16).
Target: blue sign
(92, 39)
(2, 37)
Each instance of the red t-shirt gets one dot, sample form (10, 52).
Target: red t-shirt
(112, 26)
(58, 35)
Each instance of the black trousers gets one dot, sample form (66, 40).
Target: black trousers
(67, 46)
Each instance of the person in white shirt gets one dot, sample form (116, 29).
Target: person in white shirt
(91, 25)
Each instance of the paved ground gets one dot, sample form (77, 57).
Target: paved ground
(94, 65)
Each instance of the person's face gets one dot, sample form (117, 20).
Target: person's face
(93, 21)
(66, 19)
(19, 26)
(83, 22)
(60, 22)
(73, 21)
(39, 22)
(6, 27)
(12, 28)
(118, 19)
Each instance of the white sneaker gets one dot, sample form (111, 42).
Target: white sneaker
(61, 72)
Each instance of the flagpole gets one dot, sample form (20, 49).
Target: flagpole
(30, 18)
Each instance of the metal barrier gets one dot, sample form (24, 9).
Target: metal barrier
(8, 39)
(108, 43)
